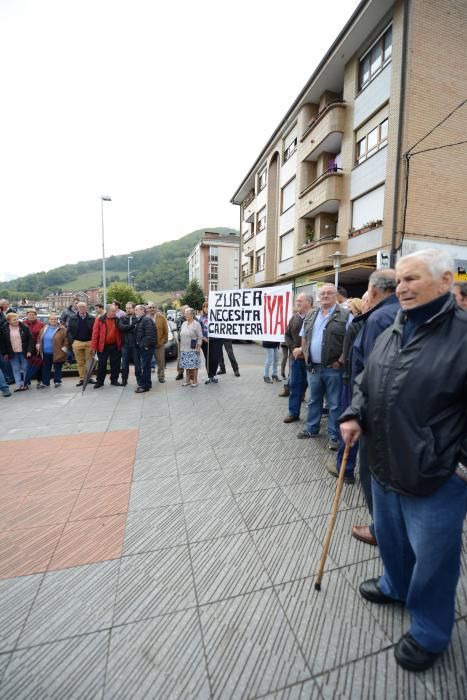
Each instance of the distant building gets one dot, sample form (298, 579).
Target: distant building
(61, 300)
(94, 295)
(214, 262)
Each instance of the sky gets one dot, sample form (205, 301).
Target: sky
(162, 106)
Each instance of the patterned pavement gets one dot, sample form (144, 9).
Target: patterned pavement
(163, 545)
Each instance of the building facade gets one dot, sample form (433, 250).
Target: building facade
(334, 178)
(214, 262)
(58, 301)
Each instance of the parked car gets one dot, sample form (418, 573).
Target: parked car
(171, 346)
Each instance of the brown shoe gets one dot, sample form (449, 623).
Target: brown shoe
(290, 419)
(285, 391)
(363, 533)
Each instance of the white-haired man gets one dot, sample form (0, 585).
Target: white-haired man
(411, 404)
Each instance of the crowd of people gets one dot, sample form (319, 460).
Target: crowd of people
(388, 369)
(31, 350)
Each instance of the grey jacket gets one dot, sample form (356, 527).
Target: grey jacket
(333, 335)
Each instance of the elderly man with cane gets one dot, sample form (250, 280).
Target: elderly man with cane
(411, 404)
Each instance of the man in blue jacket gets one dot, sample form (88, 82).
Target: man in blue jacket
(411, 403)
(384, 306)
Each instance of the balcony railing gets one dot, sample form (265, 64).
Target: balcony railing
(335, 103)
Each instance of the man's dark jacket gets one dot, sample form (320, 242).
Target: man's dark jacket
(127, 325)
(292, 334)
(145, 333)
(333, 335)
(411, 402)
(374, 322)
(73, 324)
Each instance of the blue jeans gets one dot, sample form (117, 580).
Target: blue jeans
(420, 542)
(346, 400)
(321, 381)
(297, 385)
(128, 355)
(5, 366)
(143, 367)
(48, 361)
(271, 359)
(4, 388)
(19, 365)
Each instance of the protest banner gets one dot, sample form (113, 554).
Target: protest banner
(250, 314)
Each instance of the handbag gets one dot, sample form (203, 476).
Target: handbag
(193, 343)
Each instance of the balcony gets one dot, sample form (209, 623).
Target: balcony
(324, 133)
(249, 208)
(316, 254)
(322, 195)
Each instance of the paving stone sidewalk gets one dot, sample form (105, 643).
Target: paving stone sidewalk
(163, 546)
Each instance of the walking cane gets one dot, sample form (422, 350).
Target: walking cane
(335, 506)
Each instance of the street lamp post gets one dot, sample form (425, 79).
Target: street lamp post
(130, 257)
(104, 198)
(336, 262)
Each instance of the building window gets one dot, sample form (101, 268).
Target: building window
(375, 139)
(368, 209)
(376, 59)
(261, 220)
(288, 196)
(290, 144)
(213, 287)
(260, 261)
(213, 254)
(245, 270)
(286, 245)
(262, 180)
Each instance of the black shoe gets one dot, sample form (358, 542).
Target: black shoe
(97, 385)
(275, 378)
(140, 390)
(222, 371)
(237, 373)
(411, 656)
(371, 591)
(80, 383)
(268, 380)
(124, 383)
(161, 381)
(348, 479)
(116, 384)
(179, 376)
(91, 381)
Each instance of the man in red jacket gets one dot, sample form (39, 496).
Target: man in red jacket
(107, 342)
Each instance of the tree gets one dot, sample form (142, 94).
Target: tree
(123, 293)
(194, 295)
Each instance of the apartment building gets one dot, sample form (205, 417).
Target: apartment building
(214, 262)
(333, 180)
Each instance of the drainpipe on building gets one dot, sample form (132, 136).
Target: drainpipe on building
(399, 133)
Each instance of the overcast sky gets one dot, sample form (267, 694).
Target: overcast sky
(162, 106)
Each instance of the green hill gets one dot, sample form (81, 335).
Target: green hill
(162, 268)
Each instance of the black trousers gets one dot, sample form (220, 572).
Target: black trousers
(113, 354)
(230, 353)
(214, 353)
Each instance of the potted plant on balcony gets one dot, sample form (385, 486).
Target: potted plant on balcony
(309, 234)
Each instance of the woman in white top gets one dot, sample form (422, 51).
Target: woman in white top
(191, 338)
